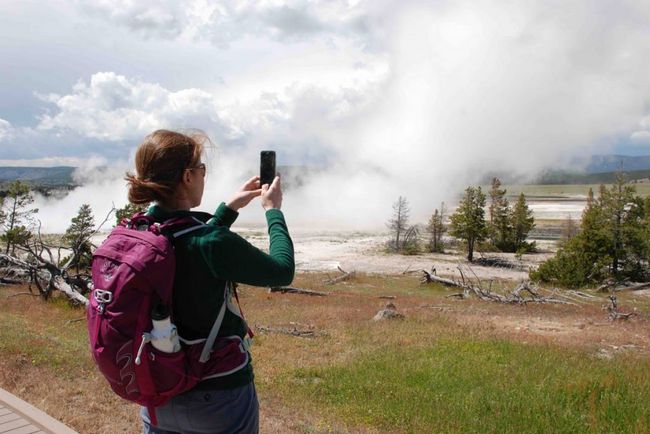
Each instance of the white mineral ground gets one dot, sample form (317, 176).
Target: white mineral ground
(363, 251)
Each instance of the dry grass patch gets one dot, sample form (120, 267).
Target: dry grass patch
(44, 358)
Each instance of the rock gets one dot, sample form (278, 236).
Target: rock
(388, 312)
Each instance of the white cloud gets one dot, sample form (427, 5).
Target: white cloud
(225, 21)
(640, 137)
(6, 130)
(450, 90)
(113, 107)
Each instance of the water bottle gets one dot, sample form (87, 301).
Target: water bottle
(164, 336)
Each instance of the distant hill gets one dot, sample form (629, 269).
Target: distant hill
(613, 163)
(565, 177)
(38, 177)
(599, 169)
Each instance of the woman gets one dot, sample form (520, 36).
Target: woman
(169, 172)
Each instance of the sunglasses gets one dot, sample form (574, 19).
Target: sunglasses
(200, 167)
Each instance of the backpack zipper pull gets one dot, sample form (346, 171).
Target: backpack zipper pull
(146, 337)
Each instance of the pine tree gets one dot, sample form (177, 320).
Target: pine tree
(77, 236)
(18, 216)
(398, 223)
(127, 211)
(618, 204)
(581, 260)
(612, 242)
(468, 222)
(436, 228)
(521, 221)
(3, 216)
(499, 228)
(569, 228)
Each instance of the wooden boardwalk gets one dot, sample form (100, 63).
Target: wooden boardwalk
(19, 417)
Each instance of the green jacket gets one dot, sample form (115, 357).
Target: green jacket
(208, 257)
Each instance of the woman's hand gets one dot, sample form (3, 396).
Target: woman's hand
(247, 192)
(272, 194)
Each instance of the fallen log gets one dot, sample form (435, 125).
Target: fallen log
(432, 278)
(47, 276)
(292, 290)
(515, 296)
(582, 294)
(611, 286)
(73, 295)
(614, 313)
(293, 331)
(23, 293)
(342, 278)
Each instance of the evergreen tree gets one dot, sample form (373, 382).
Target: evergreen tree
(77, 236)
(499, 228)
(18, 216)
(645, 223)
(2, 212)
(127, 211)
(436, 229)
(468, 222)
(398, 223)
(522, 222)
(613, 241)
(635, 239)
(618, 209)
(582, 259)
(569, 228)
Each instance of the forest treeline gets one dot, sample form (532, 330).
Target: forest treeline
(611, 243)
(505, 229)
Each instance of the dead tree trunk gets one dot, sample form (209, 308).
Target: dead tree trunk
(469, 287)
(614, 313)
(345, 276)
(285, 289)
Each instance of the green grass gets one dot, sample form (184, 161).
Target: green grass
(59, 346)
(465, 385)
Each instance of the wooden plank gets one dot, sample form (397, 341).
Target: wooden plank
(4, 411)
(38, 418)
(27, 429)
(8, 417)
(6, 427)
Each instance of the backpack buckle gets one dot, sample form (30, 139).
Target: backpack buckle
(102, 297)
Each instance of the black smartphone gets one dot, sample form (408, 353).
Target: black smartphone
(267, 167)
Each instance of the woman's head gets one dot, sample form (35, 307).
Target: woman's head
(168, 169)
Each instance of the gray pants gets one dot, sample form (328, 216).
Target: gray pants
(207, 412)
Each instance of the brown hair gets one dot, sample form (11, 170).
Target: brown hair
(160, 162)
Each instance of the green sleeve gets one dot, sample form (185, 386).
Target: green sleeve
(231, 257)
(223, 216)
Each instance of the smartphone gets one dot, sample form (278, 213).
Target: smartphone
(267, 167)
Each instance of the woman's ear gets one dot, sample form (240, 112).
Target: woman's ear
(187, 176)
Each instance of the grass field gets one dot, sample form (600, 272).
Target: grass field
(448, 366)
(563, 190)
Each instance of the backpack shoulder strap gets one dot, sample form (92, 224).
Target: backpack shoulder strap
(179, 226)
(209, 342)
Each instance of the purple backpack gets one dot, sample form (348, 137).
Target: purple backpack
(132, 271)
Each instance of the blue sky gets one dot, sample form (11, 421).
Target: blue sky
(84, 79)
(414, 98)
